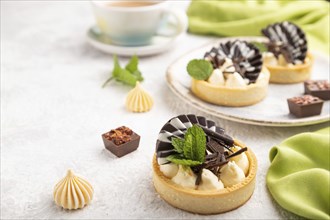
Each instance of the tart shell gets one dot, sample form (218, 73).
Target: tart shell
(234, 97)
(291, 74)
(206, 202)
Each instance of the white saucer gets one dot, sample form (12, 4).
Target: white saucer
(158, 44)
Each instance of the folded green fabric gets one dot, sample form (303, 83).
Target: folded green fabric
(248, 17)
(299, 175)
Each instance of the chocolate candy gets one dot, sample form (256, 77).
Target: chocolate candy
(121, 141)
(318, 88)
(305, 106)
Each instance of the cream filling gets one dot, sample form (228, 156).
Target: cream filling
(185, 177)
(270, 60)
(210, 181)
(241, 160)
(217, 78)
(221, 77)
(169, 170)
(231, 174)
(235, 80)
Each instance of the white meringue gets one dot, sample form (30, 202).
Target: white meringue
(235, 80)
(138, 100)
(169, 170)
(185, 177)
(216, 78)
(231, 174)
(241, 160)
(210, 181)
(73, 192)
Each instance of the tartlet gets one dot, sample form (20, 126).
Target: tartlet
(211, 201)
(287, 59)
(234, 97)
(238, 77)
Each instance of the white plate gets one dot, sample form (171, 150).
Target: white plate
(158, 44)
(272, 111)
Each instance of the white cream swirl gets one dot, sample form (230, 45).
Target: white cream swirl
(210, 181)
(241, 160)
(231, 174)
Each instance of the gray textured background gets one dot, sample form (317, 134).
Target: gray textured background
(53, 112)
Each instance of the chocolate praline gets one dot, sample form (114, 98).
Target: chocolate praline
(305, 106)
(121, 141)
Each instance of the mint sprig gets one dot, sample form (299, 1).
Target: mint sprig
(191, 149)
(128, 75)
(199, 69)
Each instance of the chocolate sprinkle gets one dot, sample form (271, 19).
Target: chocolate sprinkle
(287, 39)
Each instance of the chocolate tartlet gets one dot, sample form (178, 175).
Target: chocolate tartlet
(238, 78)
(288, 59)
(204, 187)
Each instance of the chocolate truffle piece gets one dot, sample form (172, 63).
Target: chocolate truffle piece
(305, 106)
(121, 141)
(318, 88)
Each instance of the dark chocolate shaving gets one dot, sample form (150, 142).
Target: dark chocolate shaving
(246, 58)
(221, 137)
(237, 153)
(287, 39)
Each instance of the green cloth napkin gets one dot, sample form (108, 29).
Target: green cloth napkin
(248, 17)
(299, 175)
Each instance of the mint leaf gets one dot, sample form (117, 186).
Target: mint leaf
(132, 65)
(116, 67)
(130, 75)
(177, 159)
(195, 144)
(261, 46)
(138, 75)
(115, 72)
(199, 69)
(126, 77)
(178, 145)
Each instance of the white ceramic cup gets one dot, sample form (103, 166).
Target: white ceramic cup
(135, 26)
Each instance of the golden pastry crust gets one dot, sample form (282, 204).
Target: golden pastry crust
(234, 97)
(291, 74)
(206, 202)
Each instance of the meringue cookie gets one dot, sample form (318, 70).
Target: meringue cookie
(210, 181)
(73, 192)
(169, 170)
(235, 80)
(185, 177)
(138, 100)
(241, 160)
(231, 174)
(217, 78)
